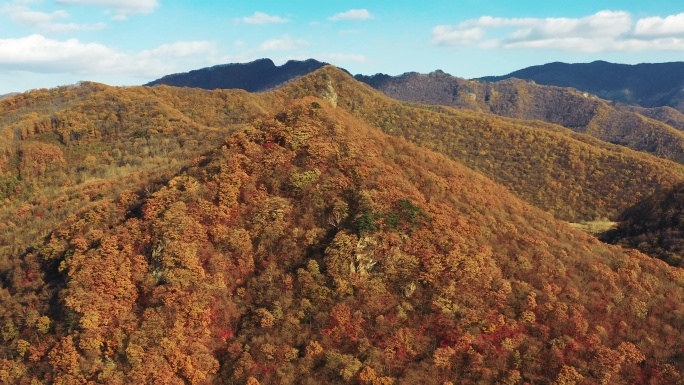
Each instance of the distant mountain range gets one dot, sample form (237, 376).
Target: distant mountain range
(259, 75)
(651, 121)
(648, 85)
(5, 96)
(639, 128)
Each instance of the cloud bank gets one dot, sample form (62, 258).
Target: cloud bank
(45, 22)
(353, 14)
(39, 54)
(658, 26)
(604, 31)
(260, 18)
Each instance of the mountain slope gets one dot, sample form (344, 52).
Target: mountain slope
(512, 98)
(571, 175)
(312, 248)
(62, 148)
(648, 85)
(515, 98)
(259, 75)
(71, 145)
(655, 226)
(667, 115)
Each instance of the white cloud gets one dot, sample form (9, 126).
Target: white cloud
(658, 26)
(39, 54)
(261, 18)
(600, 45)
(603, 31)
(353, 14)
(121, 8)
(46, 22)
(284, 43)
(602, 24)
(447, 35)
(497, 22)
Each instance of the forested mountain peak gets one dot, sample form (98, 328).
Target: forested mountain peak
(318, 233)
(572, 175)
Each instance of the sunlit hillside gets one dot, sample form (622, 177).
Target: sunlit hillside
(310, 247)
(580, 111)
(574, 176)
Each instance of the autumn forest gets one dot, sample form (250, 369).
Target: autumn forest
(323, 232)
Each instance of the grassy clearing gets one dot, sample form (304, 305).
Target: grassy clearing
(594, 227)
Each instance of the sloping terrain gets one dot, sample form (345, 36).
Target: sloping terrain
(309, 247)
(655, 226)
(574, 176)
(667, 115)
(63, 148)
(579, 111)
(646, 84)
(259, 75)
(70, 145)
(515, 98)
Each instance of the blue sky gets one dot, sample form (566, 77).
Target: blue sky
(46, 43)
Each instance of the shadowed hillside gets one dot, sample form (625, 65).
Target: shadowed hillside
(309, 247)
(655, 226)
(259, 75)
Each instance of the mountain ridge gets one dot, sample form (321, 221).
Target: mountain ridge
(580, 111)
(645, 84)
(521, 99)
(258, 75)
(501, 147)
